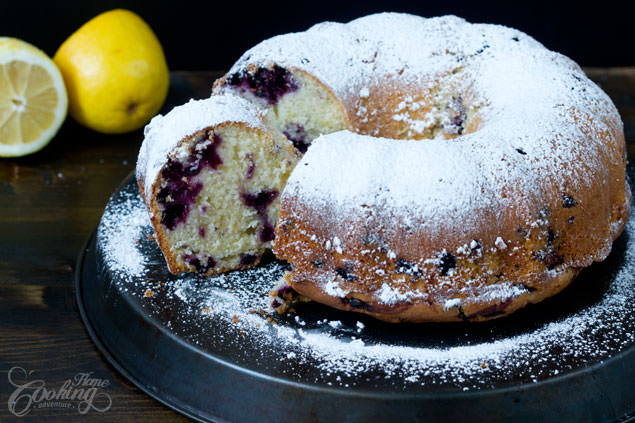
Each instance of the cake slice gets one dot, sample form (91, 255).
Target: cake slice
(292, 101)
(211, 173)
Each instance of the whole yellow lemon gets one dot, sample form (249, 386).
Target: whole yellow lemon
(115, 72)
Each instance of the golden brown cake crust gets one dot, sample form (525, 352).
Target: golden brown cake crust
(528, 270)
(430, 311)
(537, 269)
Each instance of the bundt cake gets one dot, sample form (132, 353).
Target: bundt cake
(450, 171)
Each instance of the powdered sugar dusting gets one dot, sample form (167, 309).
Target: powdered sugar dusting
(343, 349)
(389, 295)
(122, 226)
(331, 287)
(350, 58)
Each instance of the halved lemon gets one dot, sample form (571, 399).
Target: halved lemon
(33, 101)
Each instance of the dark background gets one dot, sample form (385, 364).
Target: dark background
(213, 34)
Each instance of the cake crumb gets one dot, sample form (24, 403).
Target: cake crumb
(499, 243)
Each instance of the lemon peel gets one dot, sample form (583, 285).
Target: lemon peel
(115, 72)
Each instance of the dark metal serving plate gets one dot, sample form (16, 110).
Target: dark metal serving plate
(212, 369)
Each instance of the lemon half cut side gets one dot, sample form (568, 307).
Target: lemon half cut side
(33, 100)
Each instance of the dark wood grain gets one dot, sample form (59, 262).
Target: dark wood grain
(49, 204)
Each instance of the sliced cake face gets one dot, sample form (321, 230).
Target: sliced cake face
(216, 198)
(296, 104)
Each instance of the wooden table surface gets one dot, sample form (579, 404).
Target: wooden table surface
(49, 204)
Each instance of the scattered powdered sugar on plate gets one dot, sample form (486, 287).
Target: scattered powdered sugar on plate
(123, 230)
(332, 348)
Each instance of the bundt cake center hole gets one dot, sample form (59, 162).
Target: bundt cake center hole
(441, 112)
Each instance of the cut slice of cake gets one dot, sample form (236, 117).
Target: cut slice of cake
(292, 101)
(211, 175)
